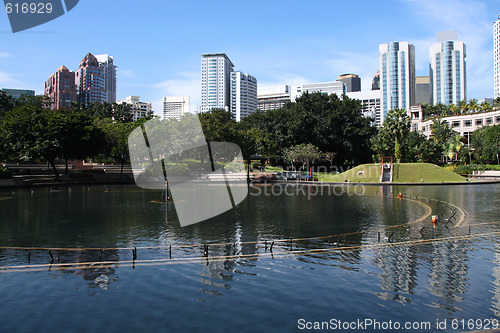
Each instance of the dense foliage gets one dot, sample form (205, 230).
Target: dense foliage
(315, 128)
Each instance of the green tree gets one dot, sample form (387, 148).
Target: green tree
(326, 121)
(29, 132)
(392, 137)
(116, 140)
(6, 103)
(302, 154)
(486, 143)
(118, 112)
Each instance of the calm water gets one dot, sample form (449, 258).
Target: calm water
(240, 287)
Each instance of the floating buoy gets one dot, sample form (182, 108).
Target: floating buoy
(400, 196)
(434, 219)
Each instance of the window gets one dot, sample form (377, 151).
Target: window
(489, 121)
(455, 123)
(479, 122)
(467, 123)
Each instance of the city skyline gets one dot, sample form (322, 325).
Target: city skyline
(303, 44)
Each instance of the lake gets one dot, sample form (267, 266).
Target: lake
(341, 257)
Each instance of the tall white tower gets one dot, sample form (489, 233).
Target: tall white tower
(447, 72)
(243, 95)
(216, 69)
(109, 75)
(397, 76)
(496, 43)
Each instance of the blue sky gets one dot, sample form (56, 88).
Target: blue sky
(157, 45)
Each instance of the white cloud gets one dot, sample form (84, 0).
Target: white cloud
(187, 84)
(125, 73)
(474, 22)
(5, 55)
(8, 80)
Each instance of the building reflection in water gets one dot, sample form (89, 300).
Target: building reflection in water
(496, 282)
(446, 262)
(217, 274)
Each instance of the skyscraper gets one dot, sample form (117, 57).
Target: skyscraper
(89, 82)
(496, 43)
(352, 82)
(175, 106)
(447, 72)
(243, 95)
(397, 76)
(216, 69)
(109, 75)
(61, 88)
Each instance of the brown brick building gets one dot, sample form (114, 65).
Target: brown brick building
(61, 88)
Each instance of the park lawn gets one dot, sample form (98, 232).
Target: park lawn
(403, 173)
(424, 173)
(365, 173)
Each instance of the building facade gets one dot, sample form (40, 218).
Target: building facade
(423, 90)
(370, 101)
(243, 95)
(397, 76)
(175, 106)
(61, 89)
(89, 81)
(273, 99)
(138, 109)
(335, 87)
(216, 69)
(109, 76)
(16, 93)
(463, 124)
(352, 82)
(496, 55)
(376, 81)
(447, 72)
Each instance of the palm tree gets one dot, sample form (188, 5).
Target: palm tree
(473, 106)
(464, 107)
(496, 102)
(486, 107)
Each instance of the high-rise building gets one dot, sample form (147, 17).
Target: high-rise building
(376, 81)
(175, 106)
(273, 98)
(89, 82)
(352, 82)
(109, 75)
(61, 88)
(447, 72)
(496, 43)
(138, 109)
(243, 95)
(423, 84)
(397, 76)
(216, 69)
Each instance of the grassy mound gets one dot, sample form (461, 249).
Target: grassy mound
(403, 173)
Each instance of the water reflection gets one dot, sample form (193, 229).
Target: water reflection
(433, 277)
(496, 282)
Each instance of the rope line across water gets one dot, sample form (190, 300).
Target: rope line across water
(151, 262)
